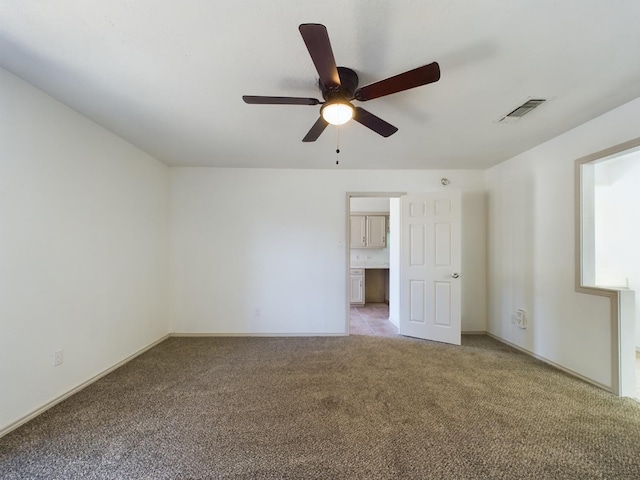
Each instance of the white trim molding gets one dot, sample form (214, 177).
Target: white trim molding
(550, 363)
(86, 383)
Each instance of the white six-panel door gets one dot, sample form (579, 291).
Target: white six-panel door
(430, 260)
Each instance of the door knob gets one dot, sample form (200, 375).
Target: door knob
(455, 275)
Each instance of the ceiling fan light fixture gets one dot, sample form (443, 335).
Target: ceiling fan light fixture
(337, 113)
(339, 85)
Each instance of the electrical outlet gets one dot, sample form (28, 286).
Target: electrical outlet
(521, 318)
(58, 358)
(257, 312)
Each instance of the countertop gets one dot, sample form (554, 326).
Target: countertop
(369, 265)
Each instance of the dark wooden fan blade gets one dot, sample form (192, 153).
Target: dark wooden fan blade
(257, 100)
(376, 124)
(316, 39)
(316, 130)
(398, 83)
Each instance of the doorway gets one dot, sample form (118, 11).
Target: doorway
(424, 260)
(373, 262)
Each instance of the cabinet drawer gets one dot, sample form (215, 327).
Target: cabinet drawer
(357, 271)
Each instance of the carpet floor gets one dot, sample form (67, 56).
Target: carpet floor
(331, 407)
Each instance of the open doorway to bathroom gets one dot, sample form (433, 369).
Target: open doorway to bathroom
(373, 275)
(610, 256)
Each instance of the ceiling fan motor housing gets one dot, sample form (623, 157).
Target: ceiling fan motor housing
(346, 90)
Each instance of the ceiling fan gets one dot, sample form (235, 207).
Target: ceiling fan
(339, 86)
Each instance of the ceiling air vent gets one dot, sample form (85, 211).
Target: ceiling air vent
(522, 110)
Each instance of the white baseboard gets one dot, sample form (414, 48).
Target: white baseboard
(474, 332)
(551, 363)
(64, 396)
(93, 379)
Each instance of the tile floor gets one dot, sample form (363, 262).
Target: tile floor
(371, 319)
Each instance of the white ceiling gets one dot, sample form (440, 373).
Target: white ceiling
(168, 75)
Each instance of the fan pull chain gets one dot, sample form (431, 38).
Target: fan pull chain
(337, 144)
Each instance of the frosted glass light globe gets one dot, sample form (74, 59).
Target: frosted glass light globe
(337, 113)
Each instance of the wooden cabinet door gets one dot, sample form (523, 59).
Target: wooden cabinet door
(356, 288)
(358, 231)
(376, 231)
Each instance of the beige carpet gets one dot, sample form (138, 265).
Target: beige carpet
(348, 407)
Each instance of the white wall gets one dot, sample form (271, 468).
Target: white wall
(531, 249)
(83, 249)
(273, 240)
(360, 257)
(617, 242)
(370, 205)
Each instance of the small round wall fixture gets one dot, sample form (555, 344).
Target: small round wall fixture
(445, 181)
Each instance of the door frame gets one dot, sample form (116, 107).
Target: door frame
(347, 243)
